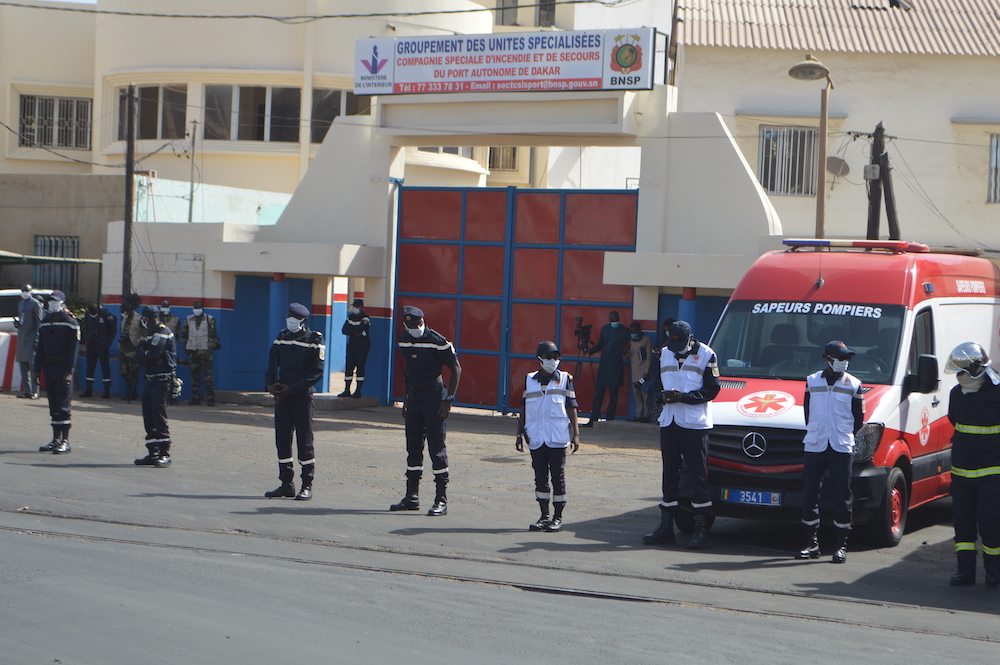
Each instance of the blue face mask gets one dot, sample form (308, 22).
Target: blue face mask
(635, 337)
(615, 324)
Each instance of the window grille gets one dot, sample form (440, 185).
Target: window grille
(993, 190)
(55, 122)
(62, 276)
(503, 158)
(786, 164)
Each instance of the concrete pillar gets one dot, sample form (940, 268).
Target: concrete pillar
(278, 307)
(687, 308)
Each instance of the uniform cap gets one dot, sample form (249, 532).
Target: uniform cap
(298, 311)
(837, 349)
(150, 312)
(58, 295)
(678, 336)
(546, 347)
(358, 302)
(196, 304)
(165, 303)
(411, 313)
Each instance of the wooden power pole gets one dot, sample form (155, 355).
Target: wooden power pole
(132, 105)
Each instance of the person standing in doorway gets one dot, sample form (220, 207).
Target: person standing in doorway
(611, 369)
(426, 406)
(356, 329)
(200, 340)
(294, 366)
(55, 354)
(99, 328)
(30, 315)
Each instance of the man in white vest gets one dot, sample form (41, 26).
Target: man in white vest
(689, 373)
(200, 339)
(548, 422)
(834, 410)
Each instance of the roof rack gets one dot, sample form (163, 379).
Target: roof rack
(890, 245)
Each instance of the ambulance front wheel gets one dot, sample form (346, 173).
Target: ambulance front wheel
(889, 521)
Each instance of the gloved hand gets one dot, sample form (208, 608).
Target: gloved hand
(217, 345)
(671, 396)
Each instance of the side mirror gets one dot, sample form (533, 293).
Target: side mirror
(926, 379)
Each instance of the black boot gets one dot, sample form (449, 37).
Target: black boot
(347, 389)
(150, 459)
(440, 506)
(664, 534)
(305, 493)
(107, 390)
(993, 578)
(210, 401)
(51, 445)
(162, 456)
(840, 552)
(966, 574)
(543, 521)
(132, 394)
(811, 548)
(89, 392)
(700, 532)
(409, 500)
(63, 446)
(357, 391)
(287, 490)
(555, 524)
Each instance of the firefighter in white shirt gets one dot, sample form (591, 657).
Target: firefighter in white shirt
(548, 421)
(834, 411)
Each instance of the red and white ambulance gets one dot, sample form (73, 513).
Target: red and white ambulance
(902, 309)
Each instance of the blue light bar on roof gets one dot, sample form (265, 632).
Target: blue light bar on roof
(894, 245)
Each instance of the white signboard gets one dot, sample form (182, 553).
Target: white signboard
(506, 62)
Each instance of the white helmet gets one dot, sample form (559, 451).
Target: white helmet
(971, 358)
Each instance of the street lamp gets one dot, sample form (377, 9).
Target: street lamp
(812, 69)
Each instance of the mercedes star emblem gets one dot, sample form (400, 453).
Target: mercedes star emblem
(754, 444)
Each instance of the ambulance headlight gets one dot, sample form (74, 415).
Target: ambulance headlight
(866, 441)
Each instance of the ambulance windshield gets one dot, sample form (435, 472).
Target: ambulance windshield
(785, 340)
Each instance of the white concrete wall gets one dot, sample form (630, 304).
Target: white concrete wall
(937, 163)
(159, 200)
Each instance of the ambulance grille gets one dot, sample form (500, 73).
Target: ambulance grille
(783, 446)
(731, 384)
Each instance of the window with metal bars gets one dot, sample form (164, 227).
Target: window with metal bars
(786, 163)
(62, 276)
(993, 186)
(54, 122)
(503, 158)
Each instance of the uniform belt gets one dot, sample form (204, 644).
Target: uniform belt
(426, 385)
(166, 376)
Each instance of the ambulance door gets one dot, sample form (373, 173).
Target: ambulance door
(927, 426)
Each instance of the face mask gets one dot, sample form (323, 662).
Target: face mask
(615, 324)
(197, 312)
(969, 384)
(838, 366)
(165, 310)
(353, 310)
(549, 365)
(25, 295)
(55, 305)
(293, 324)
(635, 336)
(417, 332)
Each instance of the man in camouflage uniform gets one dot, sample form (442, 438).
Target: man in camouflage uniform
(200, 338)
(131, 334)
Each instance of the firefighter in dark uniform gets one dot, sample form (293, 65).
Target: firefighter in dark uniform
(294, 366)
(974, 410)
(426, 406)
(157, 355)
(55, 354)
(689, 373)
(356, 328)
(99, 327)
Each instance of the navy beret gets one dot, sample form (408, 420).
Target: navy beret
(298, 311)
(411, 313)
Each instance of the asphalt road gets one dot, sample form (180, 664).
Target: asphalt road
(105, 562)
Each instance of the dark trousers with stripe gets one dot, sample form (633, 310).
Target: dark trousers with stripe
(691, 445)
(840, 468)
(97, 354)
(154, 411)
(357, 356)
(295, 414)
(976, 508)
(549, 463)
(59, 393)
(422, 424)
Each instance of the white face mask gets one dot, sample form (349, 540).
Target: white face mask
(969, 384)
(55, 305)
(549, 365)
(164, 310)
(25, 295)
(838, 366)
(417, 332)
(197, 312)
(293, 324)
(353, 310)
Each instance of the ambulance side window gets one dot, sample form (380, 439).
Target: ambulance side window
(923, 339)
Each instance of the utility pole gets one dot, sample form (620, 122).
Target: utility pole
(885, 176)
(132, 105)
(875, 185)
(194, 136)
